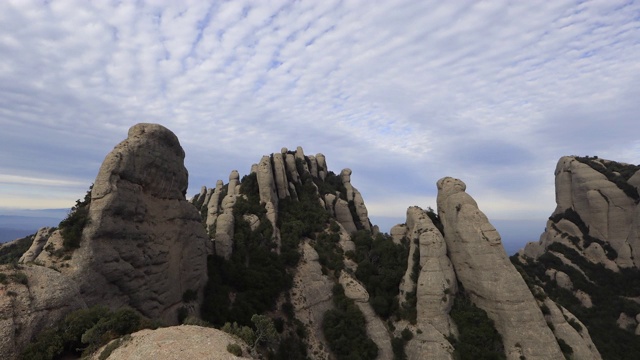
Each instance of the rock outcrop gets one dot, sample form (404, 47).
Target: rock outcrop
(290, 223)
(144, 244)
(279, 177)
(494, 285)
(312, 299)
(39, 241)
(589, 251)
(32, 298)
(176, 342)
(596, 205)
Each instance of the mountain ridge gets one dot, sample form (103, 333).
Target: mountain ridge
(293, 240)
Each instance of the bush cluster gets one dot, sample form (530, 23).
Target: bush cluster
(478, 337)
(572, 216)
(71, 227)
(381, 265)
(344, 328)
(84, 331)
(609, 293)
(11, 253)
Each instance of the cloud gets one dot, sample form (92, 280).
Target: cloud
(402, 92)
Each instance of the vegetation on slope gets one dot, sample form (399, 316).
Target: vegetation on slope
(615, 172)
(478, 337)
(381, 266)
(11, 252)
(345, 329)
(71, 227)
(609, 291)
(255, 276)
(84, 331)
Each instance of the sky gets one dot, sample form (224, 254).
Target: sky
(402, 92)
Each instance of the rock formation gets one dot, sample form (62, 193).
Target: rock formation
(176, 342)
(483, 268)
(145, 246)
(311, 299)
(589, 252)
(278, 176)
(39, 241)
(33, 298)
(596, 205)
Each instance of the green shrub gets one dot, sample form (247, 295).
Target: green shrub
(182, 314)
(478, 337)
(381, 266)
(234, 349)
(609, 293)
(4, 279)
(71, 227)
(566, 349)
(345, 329)
(397, 346)
(84, 331)
(106, 352)
(20, 277)
(12, 252)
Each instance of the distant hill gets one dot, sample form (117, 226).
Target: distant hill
(19, 223)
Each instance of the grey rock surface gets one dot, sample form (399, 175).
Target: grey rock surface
(482, 266)
(144, 244)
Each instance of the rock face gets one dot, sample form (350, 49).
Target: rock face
(482, 266)
(34, 299)
(278, 176)
(311, 299)
(600, 203)
(590, 244)
(144, 245)
(39, 241)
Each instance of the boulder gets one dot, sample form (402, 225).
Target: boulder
(376, 329)
(292, 171)
(354, 195)
(579, 341)
(343, 215)
(39, 241)
(213, 207)
(266, 182)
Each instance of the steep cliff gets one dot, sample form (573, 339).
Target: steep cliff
(587, 258)
(133, 241)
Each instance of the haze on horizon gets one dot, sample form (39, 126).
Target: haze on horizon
(401, 92)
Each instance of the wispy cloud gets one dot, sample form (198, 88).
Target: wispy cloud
(402, 92)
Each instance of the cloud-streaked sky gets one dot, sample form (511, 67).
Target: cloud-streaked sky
(403, 92)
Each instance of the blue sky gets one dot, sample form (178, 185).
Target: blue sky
(401, 92)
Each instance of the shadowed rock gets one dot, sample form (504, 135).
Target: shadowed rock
(144, 244)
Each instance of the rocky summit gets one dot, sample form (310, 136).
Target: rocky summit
(286, 262)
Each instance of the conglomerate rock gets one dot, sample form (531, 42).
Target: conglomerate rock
(494, 285)
(144, 244)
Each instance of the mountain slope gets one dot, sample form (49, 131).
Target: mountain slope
(587, 259)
